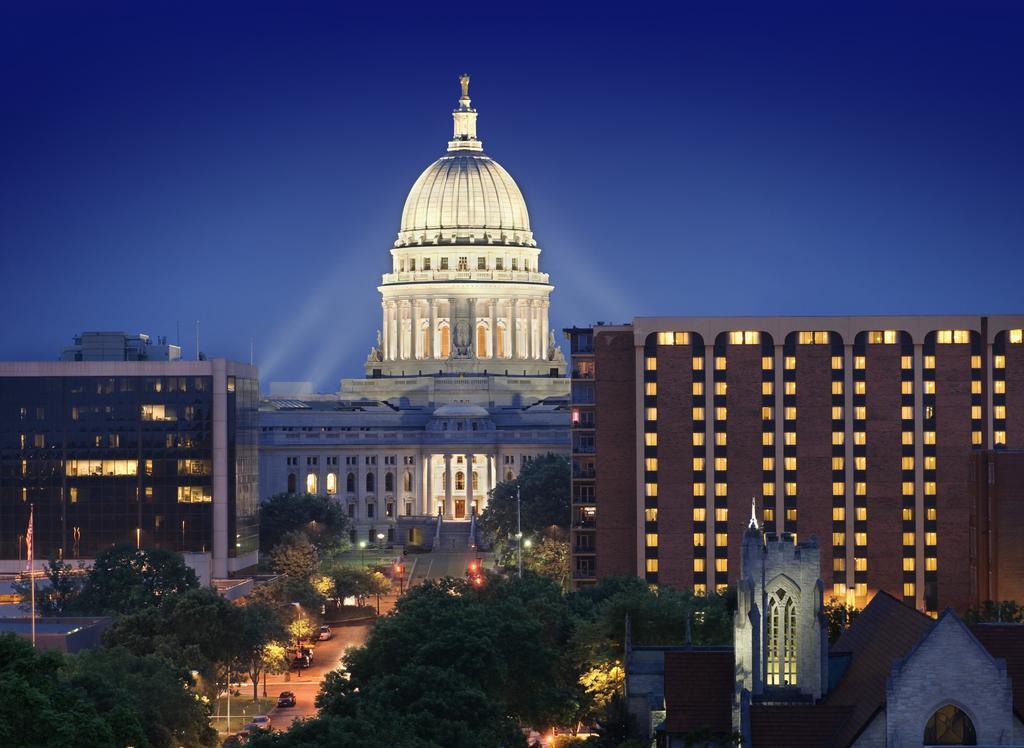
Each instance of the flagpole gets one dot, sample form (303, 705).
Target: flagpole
(31, 568)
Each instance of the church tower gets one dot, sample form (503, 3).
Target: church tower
(781, 637)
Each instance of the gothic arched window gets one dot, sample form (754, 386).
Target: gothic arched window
(370, 482)
(782, 638)
(460, 481)
(950, 726)
(389, 481)
(350, 483)
(332, 483)
(311, 483)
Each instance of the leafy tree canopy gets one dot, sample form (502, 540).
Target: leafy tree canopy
(991, 611)
(319, 518)
(295, 556)
(543, 488)
(57, 597)
(124, 579)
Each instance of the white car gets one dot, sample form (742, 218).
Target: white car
(325, 633)
(259, 722)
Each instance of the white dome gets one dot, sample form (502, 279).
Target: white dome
(461, 410)
(465, 190)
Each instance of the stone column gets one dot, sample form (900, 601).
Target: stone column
(513, 327)
(392, 331)
(469, 483)
(385, 337)
(432, 336)
(428, 486)
(400, 325)
(530, 345)
(471, 313)
(415, 336)
(544, 329)
(449, 481)
(493, 303)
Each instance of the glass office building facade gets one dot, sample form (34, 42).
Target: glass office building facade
(151, 454)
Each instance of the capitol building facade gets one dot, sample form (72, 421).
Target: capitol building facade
(464, 383)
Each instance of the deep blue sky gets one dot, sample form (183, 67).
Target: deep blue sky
(245, 165)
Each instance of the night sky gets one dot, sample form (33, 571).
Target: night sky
(245, 165)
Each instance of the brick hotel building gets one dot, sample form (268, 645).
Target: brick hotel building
(897, 441)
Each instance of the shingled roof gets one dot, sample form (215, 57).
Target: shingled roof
(698, 690)
(1006, 641)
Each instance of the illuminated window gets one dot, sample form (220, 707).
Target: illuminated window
(698, 363)
(930, 513)
(651, 463)
(651, 539)
(838, 489)
(767, 438)
(652, 565)
(860, 488)
(908, 538)
(907, 412)
(789, 438)
(698, 463)
(908, 488)
(721, 413)
(906, 362)
(721, 464)
(908, 589)
(790, 388)
(860, 589)
(929, 488)
(908, 514)
(791, 514)
(976, 387)
(953, 336)
(837, 362)
(929, 462)
(1016, 336)
(699, 514)
(887, 337)
(838, 514)
(666, 338)
(722, 565)
(651, 439)
(699, 489)
(332, 483)
(839, 563)
(837, 388)
(999, 387)
(838, 437)
(860, 538)
(720, 363)
(908, 463)
(791, 488)
(839, 538)
(859, 362)
(837, 412)
(789, 463)
(721, 539)
(698, 539)
(721, 489)
(721, 515)
(651, 388)
(311, 483)
(931, 538)
(975, 362)
(651, 414)
(839, 589)
(651, 489)
(651, 514)
(766, 413)
(998, 411)
(721, 438)
(929, 362)
(931, 564)
(909, 564)
(767, 463)
(908, 437)
(790, 362)
(929, 437)
(698, 414)
(768, 514)
(698, 564)
(766, 388)
(860, 437)
(860, 412)
(860, 563)
(698, 388)
(652, 363)
(860, 388)
(861, 513)
(999, 437)
(721, 388)
(789, 413)
(698, 438)
(976, 412)
(767, 363)
(907, 388)
(768, 489)
(744, 337)
(700, 589)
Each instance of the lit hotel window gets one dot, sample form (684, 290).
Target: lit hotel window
(838, 514)
(838, 538)
(652, 565)
(698, 539)
(766, 388)
(651, 463)
(908, 564)
(999, 386)
(744, 337)
(719, 363)
(721, 413)
(768, 489)
(908, 463)
(698, 564)
(722, 564)
(790, 362)
(907, 388)
(859, 362)
(908, 589)
(907, 413)
(698, 414)
(975, 387)
(699, 514)
(651, 440)
(698, 363)
(766, 363)
(767, 438)
(650, 514)
(862, 513)
(651, 539)
(929, 437)
(860, 488)
(698, 463)
(721, 539)
(699, 489)
(953, 336)
(698, 388)
(930, 513)
(791, 515)
(861, 463)
(652, 363)
(929, 488)
(767, 463)
(839, 563)
(930, 538)
(768, 514)
(860, 563)
(790, 388)
(721, 388)
(976, 412)
(931, 564)
(1016, 336)
(766, 413)
(838, 463)
(908, 514)
(652, 414)
(791, 488)
(860, 589)
(789, 463)
(929, 362)
(860, 412)
(906, 362)
(999, 437)
(651, 388)
(929, 462)
(837, 388)
(838, 437)
(837, 412)
(721, 463)
(721, 514)
(838, 489)
(698, 438)
(837, 362)
(860, 437)
(721, 438)
(839, 589)
(908, 437)
(651, 489)
(998, 411)
(887, 337)
(700, 589)
(859, 388)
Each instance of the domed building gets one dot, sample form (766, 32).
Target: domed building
(464, 384)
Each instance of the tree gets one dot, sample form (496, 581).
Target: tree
(295, 556)
(349, 582)
(319, 518)
(65, 582)
(543, 486)
(838, 616)
(284, 591)
(549, 558)
(990, 611)
(124, 579)
(300, 628)
(261, 627)
(379, 585)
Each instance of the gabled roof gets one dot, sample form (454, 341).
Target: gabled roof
(884, 632)
(1006, 641)
(698, 690)
(788, 725)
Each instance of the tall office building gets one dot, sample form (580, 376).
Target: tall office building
(155, 454)
(866, 432)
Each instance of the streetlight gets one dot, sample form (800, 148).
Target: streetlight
(380, 538)
(519, 529)
(362, 553)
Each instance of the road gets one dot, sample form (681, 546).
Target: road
(446, 564)
(305, 684)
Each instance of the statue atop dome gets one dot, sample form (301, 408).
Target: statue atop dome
(464, 82)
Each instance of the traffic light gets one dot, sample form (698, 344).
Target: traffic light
(399, 569)
(474, 567)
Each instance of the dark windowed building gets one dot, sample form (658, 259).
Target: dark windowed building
(894, 440)
(157, 454)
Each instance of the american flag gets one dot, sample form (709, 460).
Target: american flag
(28, 540)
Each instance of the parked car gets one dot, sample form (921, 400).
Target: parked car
(259, 722)
(325, 633)
(301, 663)
(237, 739)
(286, 699)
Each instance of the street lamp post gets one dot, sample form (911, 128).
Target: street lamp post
(519, 530)
(362, 553)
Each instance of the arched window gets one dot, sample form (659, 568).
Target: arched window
(476, 481)
(370, 482)
(350, 483)
(332, 483)
(499, 342)
(425, 343)
(291, 482)
(950, 726)
(460, 481)
(446, 342)
(508, 475)
(311, 483)
(481, 341)
(782, 637)
(389, 481)
(407, 481)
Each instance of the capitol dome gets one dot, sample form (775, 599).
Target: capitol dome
(465, 195)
